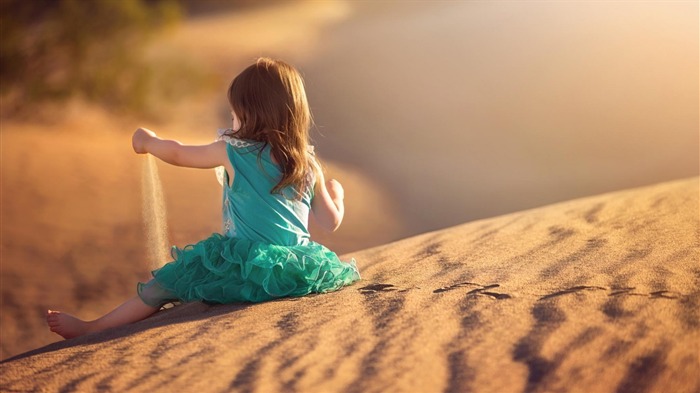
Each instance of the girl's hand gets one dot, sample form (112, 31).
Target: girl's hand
(327, 206)
(335, 189)
(140, 138)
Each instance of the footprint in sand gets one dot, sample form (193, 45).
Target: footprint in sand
(376, 288)
(572, 290)
(455, 286)
(482, 290)
(626, 291)
(665, 295)
(623, 291)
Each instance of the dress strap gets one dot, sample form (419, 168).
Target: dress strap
(224, 134)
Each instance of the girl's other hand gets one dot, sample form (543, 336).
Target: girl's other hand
(327, 205)
(140, 138)
(335, 189)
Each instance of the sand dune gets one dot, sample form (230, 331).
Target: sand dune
(594, 295)
(72, 230)
(493, 107)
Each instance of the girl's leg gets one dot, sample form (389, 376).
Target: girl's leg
(69, 326)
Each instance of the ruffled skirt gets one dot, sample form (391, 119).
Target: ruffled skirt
(220, 269)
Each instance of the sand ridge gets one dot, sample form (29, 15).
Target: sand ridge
(599, 294)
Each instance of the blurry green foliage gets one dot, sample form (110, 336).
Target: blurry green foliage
(55, 49)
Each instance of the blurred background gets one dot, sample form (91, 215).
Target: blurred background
(431, 114)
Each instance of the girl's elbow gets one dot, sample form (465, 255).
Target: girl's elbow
(330, 224)
(335, 223)
(327, 218)
(333, 227)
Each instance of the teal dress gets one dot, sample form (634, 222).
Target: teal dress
(265, 251)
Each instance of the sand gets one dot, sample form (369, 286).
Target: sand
(72, 226)
(594, 295)
(598, 294)
(470, 109)
(72, 220)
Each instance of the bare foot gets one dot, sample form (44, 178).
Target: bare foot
(66, 325)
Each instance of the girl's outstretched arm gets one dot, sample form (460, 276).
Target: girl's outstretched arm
(175, 153)
(328, 206)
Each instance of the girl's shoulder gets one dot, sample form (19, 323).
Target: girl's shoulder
(225, 134)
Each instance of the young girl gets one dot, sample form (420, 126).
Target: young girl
(272, 181)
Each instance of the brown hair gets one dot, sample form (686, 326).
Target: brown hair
(269, 99)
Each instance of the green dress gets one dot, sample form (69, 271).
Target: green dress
(265, 251)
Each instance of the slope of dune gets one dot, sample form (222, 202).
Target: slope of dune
(600, 294)
(72, 228)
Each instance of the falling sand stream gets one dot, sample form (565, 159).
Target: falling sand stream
(154, 214)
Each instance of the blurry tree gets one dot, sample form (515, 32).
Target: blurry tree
(56, 49)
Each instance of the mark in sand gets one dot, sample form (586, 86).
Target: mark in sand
(482, 290)
(455, 286)
(622, 291)
(626, 291)
(572, 290)
(665, 295)
(376, 288)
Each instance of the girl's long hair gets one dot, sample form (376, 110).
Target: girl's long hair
(269, 99)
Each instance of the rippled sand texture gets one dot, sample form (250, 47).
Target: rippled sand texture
(593, 295)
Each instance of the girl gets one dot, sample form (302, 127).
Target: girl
(272, 181)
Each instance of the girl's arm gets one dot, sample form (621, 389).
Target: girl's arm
(175, 153)
(328, 206)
